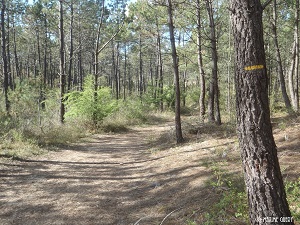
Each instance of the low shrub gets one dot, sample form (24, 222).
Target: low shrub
(90, 105)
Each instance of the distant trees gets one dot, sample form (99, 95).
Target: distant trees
(265, 189)
(129, 50)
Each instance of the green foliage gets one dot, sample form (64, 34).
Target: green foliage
(24, 101)
(88, 105)
(152, 97)
(193, 95)
(232, 205)
(232, 208)
(130, 112)
(293, 195)
(169, 96)
(30, 127)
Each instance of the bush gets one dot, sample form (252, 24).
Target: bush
(130, 112)
(84, 105)
(29, 127)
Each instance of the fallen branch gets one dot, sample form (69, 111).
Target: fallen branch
(137, 222)
(169, 215)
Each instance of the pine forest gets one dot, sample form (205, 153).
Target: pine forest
(179, 112)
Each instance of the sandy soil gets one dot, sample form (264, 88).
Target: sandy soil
(106, 179)
(120, 179)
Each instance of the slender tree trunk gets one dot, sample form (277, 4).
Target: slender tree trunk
(125, 72)
(80, 69)
(8, 54)
(39, 50)
(4, 57)
(113, 68)
(179, 137)
(43, 82)
(296, 79)
(159, 68)
(62, 62)
(17, 66)
(229, 74)
(141, 89)
(278, 58)
(200, 64)
(117, 72)
(96, 55)
(71, 47)
(184, 82)
(265, 189)
(213, 106)
(294, 67)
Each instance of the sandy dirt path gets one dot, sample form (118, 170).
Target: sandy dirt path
(106, 179)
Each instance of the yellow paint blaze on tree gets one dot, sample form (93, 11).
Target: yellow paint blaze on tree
(255, 67)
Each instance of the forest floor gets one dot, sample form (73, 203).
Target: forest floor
(137, 177)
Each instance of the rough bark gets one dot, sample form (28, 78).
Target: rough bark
(265, 189)
(179, 137)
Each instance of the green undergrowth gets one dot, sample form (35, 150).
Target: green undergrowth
(33, 122)
(231, 204)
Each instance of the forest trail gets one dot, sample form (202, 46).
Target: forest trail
(105, 179)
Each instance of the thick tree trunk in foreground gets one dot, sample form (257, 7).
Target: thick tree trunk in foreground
(265, 189)
(179, 137)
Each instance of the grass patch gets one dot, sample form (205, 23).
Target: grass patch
(15, 145)
(231, 206)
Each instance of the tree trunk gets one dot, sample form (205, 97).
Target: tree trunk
(4, 57)
(9, 68)
(96, 55)
(17, 66)
(213, 106)
(296, 79)
(125, 72)
(278, 58)
(117, 71)
(159, 68)
(294, 67)
(179, 137)
(265, 189)
(62, 62)
(200, 64)
(43, 83)
(71, 47)
(141, 79)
